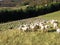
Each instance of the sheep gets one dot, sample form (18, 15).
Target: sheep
(34, 27)
(53, 21)
(23, 27)
(42, 26)
(58, 30)
(41, 23)
(47, 26)
(36, 24)
(55, 25)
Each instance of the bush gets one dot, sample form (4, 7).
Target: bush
(25, 3)
(30, 11)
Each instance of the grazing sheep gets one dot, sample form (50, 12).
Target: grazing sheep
(47, 26)
(23, 27)
(55, 25)
(41, 23)
(53, 21)
(58, 30)
(42, 27)
(34, 27)
(36, 24)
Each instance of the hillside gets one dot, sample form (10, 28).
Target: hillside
(15, 24)
(17, 37)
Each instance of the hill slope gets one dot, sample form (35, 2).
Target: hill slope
(17, 37)
(14, 24)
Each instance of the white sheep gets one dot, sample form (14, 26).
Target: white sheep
(23, 27)
(41, 24)
(47, 26)
(55, 25)
(53, 21)
(42, 27)
(34, 26)
(58, 30)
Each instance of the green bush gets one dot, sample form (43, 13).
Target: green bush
(30, 11)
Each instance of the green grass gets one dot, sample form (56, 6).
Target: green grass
(54, 15)
(17, 37)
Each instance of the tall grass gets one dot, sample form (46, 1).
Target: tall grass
(16, 37)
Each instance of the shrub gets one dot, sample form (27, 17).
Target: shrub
(30, 11)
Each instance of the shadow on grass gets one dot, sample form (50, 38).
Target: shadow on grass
(52, 30)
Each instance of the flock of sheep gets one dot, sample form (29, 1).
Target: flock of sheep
(40, 25)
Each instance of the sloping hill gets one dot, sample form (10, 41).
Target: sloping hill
(14, 24)
(17, 37)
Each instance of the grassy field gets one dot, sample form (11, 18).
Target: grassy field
(17, 37)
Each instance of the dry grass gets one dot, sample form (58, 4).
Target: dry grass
(17, 37)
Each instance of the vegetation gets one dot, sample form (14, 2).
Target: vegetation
(17, 37)
(10, 35)
(29, 11)
(15, 24)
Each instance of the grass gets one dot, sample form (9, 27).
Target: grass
(13, 8)
(17, 37)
